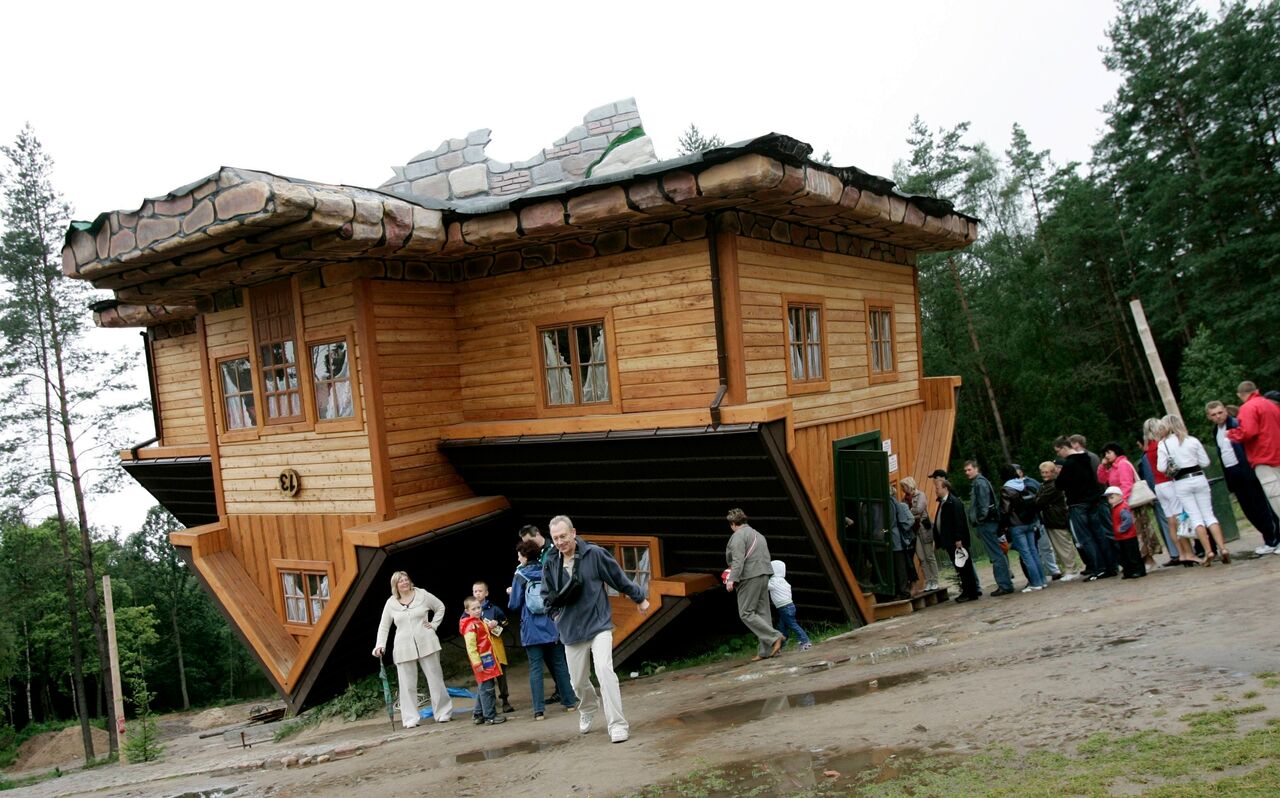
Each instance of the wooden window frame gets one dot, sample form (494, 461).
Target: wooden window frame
(871, 306)
(217, 357)
(304, 567)
(605, 317)
(800, 387)
(611, 543)
(328, 335)
(306, 419)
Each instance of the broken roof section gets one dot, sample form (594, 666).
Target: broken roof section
(238, 228)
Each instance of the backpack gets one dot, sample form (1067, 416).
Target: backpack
(533, 595)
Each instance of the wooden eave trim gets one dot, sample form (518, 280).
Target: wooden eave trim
(859, 414)
(161, 452)
(370, 385)
(384, 533)
(755, 412)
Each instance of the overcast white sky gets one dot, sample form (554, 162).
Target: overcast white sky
(133, 99)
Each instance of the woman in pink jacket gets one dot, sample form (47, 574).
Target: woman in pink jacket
(1115, 471)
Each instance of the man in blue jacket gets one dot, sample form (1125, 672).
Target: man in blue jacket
(1242, 481)
(984, 509)
(574, 577)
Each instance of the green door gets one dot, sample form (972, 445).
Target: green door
(863, 516)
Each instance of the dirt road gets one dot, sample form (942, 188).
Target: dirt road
(1043, 670)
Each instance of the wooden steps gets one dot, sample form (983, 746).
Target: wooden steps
(893, 609)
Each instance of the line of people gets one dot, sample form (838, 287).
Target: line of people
(1088, 519)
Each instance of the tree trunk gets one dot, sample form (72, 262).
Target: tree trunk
(26, 636)
(982, 366)
(64, 536)
(82, 515)
(182, 670)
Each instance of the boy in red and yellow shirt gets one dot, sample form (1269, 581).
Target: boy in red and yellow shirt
(1127, 549)
(475, 631)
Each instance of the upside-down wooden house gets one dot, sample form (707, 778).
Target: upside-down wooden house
(351, 381)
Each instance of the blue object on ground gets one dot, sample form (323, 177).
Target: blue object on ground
(455, 692)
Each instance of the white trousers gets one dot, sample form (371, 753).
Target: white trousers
(1197, 500)
(581, 656)
(441, 701)
(1269, 476)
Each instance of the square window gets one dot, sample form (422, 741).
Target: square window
(575, 364)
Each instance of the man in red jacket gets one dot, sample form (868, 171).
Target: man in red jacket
(1259, 431)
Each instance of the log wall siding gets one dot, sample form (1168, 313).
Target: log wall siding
(663, 327)
(768, 272)
(414, 331)
(335, 467)
(256, 540)
(176, 365)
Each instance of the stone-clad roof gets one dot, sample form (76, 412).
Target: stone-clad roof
(237, 227)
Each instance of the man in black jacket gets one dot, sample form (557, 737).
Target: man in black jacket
(1090, 517)
(951, 533)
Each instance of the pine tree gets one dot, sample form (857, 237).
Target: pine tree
(1208, 373)
(692, 141)
(61, 390)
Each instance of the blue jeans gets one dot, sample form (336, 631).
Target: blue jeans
(540, 656)
(1024, 540)
(1092, 525)
(988, 531)
(486, 700)
(787, 624)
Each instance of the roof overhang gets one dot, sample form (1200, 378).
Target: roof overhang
(238, 228)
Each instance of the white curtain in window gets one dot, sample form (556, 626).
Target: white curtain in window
(239, 405)
(796, 345)
(331, 369)
(295, 602)
(814, 348)
(595, 385)
(558, 372)
(886, 340)
(319, 585)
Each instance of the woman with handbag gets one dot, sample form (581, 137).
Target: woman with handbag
(915, 499)
(1153, 432)
(1182, 458)
(1115, 470)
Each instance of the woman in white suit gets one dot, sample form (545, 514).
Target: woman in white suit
(416, 614)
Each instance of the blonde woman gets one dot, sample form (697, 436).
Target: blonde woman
(915, 499)
(415, 613)
(1183, 459)
(1154, 431)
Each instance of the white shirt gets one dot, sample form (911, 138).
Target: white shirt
(1188, 453)
(1225, 448)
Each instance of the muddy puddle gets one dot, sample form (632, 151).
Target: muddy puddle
(747, 711)
(796, 773)
(498, 752)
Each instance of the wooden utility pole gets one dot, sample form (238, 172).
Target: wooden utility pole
(982, 364)
(1153, 358)
(114, 652)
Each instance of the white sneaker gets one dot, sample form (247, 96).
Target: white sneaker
(1277, 551)
(1264, 549)
(1038, 587)
(931, 586)
(584, 720)
(1070, 577)
(619, 736)
(1029, 588)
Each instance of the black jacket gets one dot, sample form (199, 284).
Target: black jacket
(1052, 506)
(950, 524)
(1079, 480)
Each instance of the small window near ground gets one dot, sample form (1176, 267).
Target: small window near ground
(575, 364)
(331, 371)
(306, 595)
(236, 380)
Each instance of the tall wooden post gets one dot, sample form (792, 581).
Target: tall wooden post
(1153, 358)
(114, 653)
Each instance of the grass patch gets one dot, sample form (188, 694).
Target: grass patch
(27, 781)
(360, 700)
(1188, 764)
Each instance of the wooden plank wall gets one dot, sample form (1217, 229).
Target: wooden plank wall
(768, 271)
(664, 328)
(176, 364)
(418, 372)
(335, 467)
(256, 540)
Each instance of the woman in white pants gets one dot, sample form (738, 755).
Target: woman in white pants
(415, 614)
(1153, 432)
(1183, 458)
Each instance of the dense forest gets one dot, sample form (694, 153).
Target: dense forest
(1177, 208)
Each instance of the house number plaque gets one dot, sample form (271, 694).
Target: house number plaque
(290, 482)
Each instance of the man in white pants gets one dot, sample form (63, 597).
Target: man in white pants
(574, 577)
